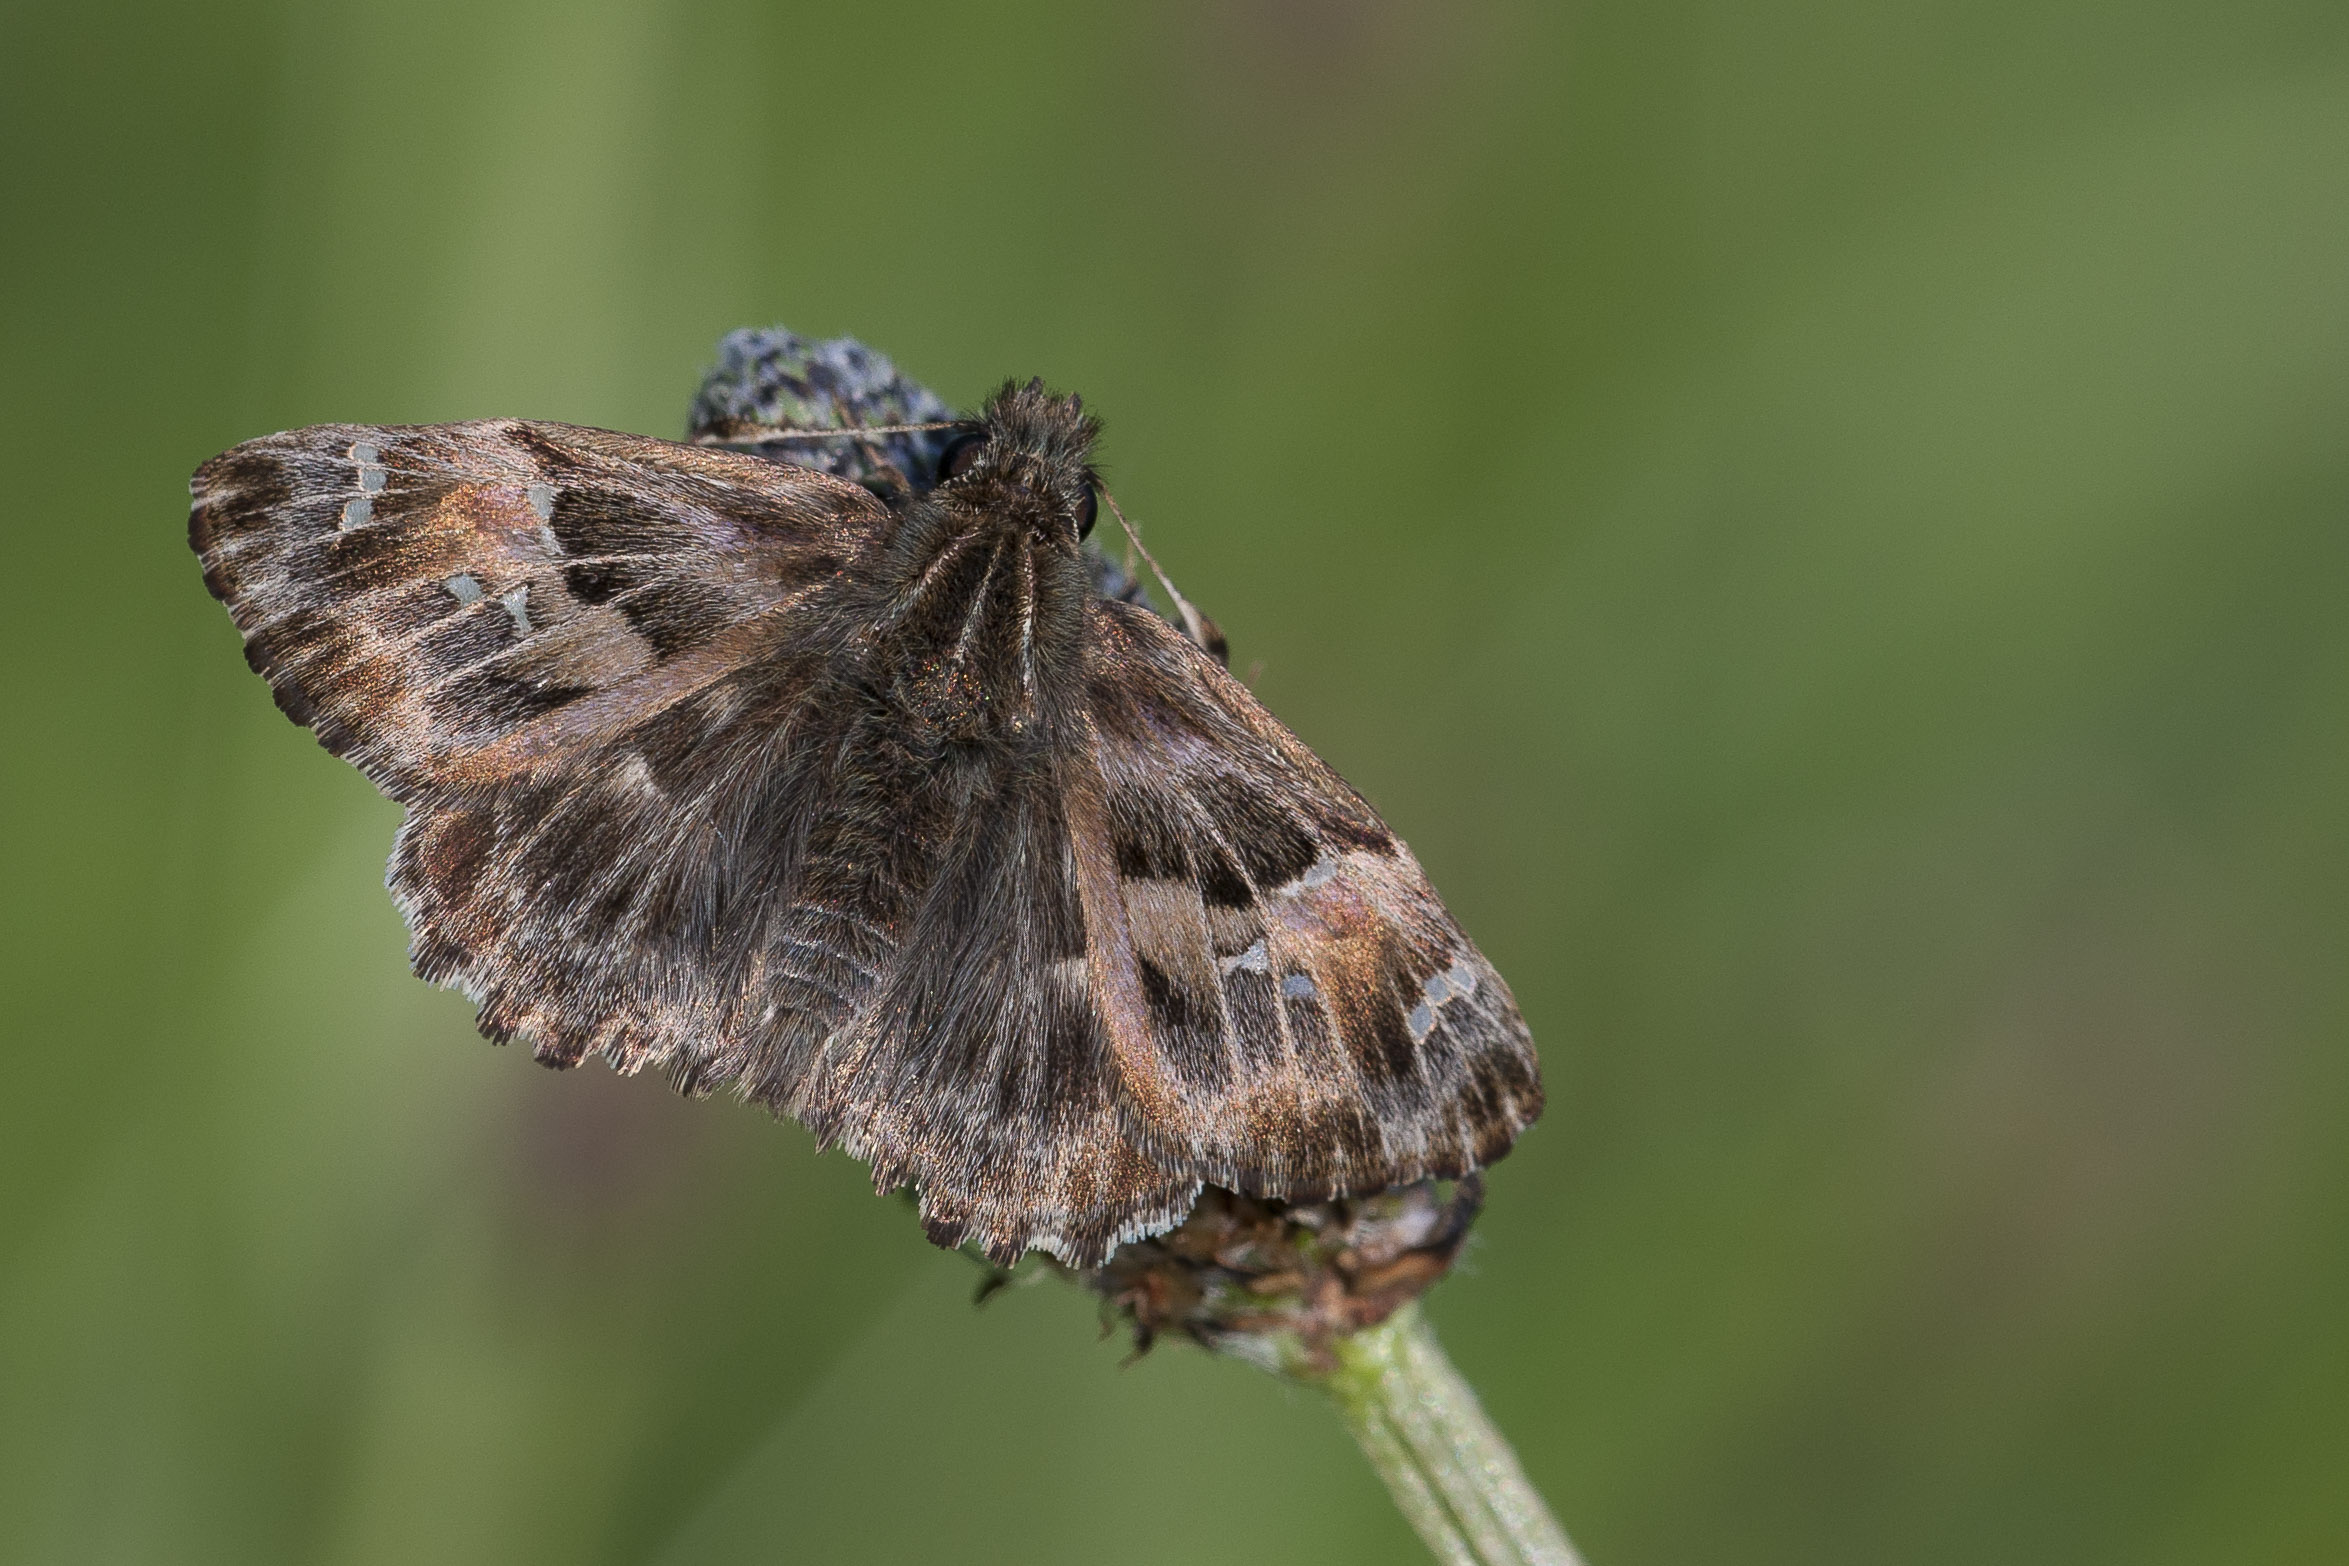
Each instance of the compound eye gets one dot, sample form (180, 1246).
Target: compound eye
(961, 455)
(1087, 509)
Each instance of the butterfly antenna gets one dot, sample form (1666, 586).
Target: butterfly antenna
(1133, 542)
(763, 434)
(1195, 625)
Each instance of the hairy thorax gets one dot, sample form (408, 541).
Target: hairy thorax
(981, 592)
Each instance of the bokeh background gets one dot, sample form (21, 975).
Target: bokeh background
(1826, 523)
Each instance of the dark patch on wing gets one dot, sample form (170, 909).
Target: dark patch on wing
(1348, 824)
(1170, 1005)
(598, 581)
(676, 745)
(368, 557)
(1273, 847)
(677, 615)
(1254, 1001)
(1220, 882)
(1075, 1054)
(592, 519)
(1188, 1027)
(1370, 1020)
(487, 702)
(1147, 837)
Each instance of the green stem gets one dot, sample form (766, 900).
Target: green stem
(1452, 1474)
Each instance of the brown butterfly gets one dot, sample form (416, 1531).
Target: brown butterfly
(870, 802)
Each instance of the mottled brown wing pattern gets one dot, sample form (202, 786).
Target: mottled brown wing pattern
(1319, 1022)
(449, 604)
(677, 798)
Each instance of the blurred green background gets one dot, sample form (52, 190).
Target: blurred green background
(1826, 524)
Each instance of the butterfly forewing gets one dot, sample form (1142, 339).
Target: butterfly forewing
(425, 595)
(1321, 1023)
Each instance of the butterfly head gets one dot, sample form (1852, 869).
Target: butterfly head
(1027, 457)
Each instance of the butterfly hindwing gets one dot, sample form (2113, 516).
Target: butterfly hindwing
(612, 902)
(981, 1069)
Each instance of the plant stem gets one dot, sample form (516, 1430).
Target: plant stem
(1452, 1474)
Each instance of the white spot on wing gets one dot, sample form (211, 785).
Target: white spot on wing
(1422, 1023)
(1253, 960)
(463, 588)
(1438, 989)
(1462, 978)
(542, 500)
(363, 451)
(1319, 872)
(371, 480)
(517, 604)
(358, 511)
(1299, 986)
(634, 775)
